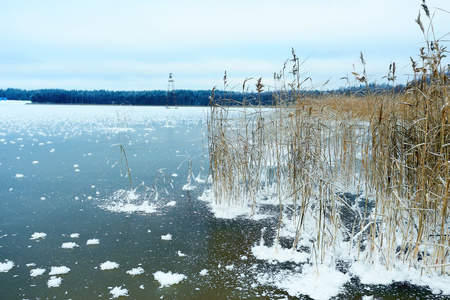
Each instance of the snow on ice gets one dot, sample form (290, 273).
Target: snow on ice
(37, 272)
(109, 265)
(38, 235)
(136, 271)
(118, 291)
(168, 279)
(54, 281)
(69, 245)
(59, 270)
(6, 266)
(92, 242)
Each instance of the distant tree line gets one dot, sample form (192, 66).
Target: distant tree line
(156, 97)
(182, 97)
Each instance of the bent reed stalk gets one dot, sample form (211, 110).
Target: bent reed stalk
(376, 179)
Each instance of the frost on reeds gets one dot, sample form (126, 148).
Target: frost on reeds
(374, 182)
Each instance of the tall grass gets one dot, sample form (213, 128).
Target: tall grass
(310, 154)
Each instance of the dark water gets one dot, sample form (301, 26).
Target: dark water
(55, 198)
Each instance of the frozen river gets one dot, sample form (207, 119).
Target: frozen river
(71, 229)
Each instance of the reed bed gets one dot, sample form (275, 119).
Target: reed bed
(389, 152)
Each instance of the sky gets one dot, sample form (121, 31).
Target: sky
(135, 44)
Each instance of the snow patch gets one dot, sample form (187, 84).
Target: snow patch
(320, 283)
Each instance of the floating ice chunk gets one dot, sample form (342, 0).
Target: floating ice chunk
(166, 237)
(174, 175)
(109, 265)
(54, 281)
(69, 245)
(77, 170)
(18, 175)
(118, 291)
(52, 150)
(35, 162)
(171, 203)
(59, 270)
(37, 272)
(204, 272)
(141, 287)
(75, 166)
(244, 257)
(169, 278)
(38, 235)
(31, 265)
(135, 271)
(93, 242)
(6, 266)
(42, 198)
(181, 254)
(75, 235)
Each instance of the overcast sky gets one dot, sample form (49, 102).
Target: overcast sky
(135, 44)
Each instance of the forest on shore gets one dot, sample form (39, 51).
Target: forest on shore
(177, 97)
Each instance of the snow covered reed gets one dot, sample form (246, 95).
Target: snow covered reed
(377, 187)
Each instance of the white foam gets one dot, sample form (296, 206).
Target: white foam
(168, 279)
